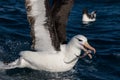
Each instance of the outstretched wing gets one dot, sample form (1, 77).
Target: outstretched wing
(44, 20)
(36, 13)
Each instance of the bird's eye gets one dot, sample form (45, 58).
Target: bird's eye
(78, 39)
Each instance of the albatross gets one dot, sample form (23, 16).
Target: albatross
(46, 55)
(88, 17)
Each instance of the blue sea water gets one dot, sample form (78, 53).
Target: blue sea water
(103, 34)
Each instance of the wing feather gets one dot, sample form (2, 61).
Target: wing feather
(48, 23)
(36, 14)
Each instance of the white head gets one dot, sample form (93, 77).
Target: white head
(74, 47)
(80, 42)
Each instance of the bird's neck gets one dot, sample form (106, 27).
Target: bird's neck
(71, 48)
(71, 53)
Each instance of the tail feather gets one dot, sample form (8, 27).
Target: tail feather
(8, 67)
(12, 65)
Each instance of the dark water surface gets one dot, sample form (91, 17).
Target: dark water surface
(104, 35)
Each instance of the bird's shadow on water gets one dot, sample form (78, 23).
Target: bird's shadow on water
(86, 25)
(16, 71)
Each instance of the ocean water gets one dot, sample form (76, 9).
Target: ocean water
(103, 34)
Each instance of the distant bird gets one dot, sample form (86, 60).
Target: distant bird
(46, 56)
(88, 17)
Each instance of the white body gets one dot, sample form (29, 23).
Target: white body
(85, 18)
(48, 61)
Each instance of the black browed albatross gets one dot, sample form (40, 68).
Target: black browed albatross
(45, 55)
(88, 17)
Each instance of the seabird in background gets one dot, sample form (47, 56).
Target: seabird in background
(49, 53)
(88, 17)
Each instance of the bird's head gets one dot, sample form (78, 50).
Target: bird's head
(85, 11)
(80, 42)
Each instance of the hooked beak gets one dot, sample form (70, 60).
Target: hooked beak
(87, 45)
(87, 49)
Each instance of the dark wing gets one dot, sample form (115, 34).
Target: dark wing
(60, 13)
(47, 23)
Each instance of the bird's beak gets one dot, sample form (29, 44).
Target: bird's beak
(87, 45)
